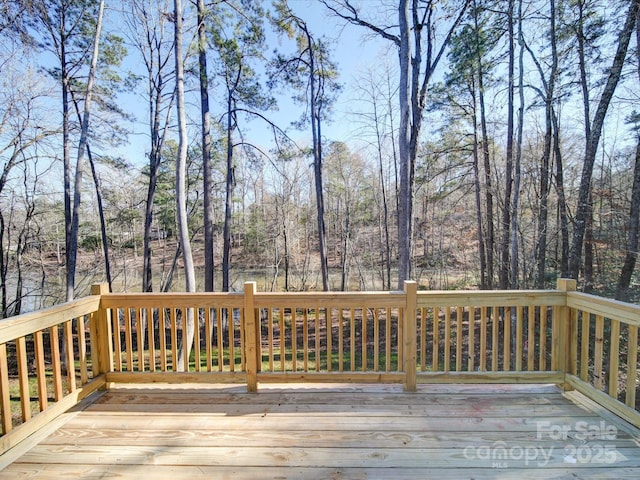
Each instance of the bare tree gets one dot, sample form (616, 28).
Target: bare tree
(181, 194)
(313, 60)
(146, 24)
(378, 122)
(631, 254)
(488, 238)
(20, 133)
(82, 147)
(503, 273)
(418, 58)
(551, 143)
(345, 174)
(593, 133)
(463, 96)
(65, 26)
(237, 39)
(633, 234)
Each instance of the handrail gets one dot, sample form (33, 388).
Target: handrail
(172, 300)
(52, 352)
(330, 299)
(621, 311)
(28, 323)
(409, 336)
(489, 298)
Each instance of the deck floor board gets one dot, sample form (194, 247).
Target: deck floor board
(335, 432)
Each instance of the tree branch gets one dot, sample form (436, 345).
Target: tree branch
(353, 17)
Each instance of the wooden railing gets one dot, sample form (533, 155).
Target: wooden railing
(563, 337)
(602, 358)
(489, 336)
(49, 361)
(149, 329)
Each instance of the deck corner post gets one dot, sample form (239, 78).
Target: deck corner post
(251, 338)
(565, 334)
(101, 333)
(409, 334)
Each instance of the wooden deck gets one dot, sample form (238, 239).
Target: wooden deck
(320, 431)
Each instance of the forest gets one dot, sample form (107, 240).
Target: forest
(192, 145)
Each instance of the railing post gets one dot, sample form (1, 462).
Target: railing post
(409, 334)
(101, 333)
(565, 335)
(251, 338)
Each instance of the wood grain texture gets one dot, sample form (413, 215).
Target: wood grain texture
(172, 472)
(333, 431)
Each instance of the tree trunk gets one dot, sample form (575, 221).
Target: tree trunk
(70, 260)
(103, 221)
(485, 250)
(346, 237)
(477, 196)
(518, 160)
(147, 276)
(82, 145)
(155, 65)
(490, 229)
(593, 139)
(181, 194)
(631, 255)
(316, 129)
(155, 157)
(386, 280)
(394, 150)
(549, 142)
(209, 264)
(506, 212)
(228, 204)
(20, 249)
(285, 240)
(22, 243)
(588, 248)
(488, 187)
(562, 200)
(3, 270)
(404, 143)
